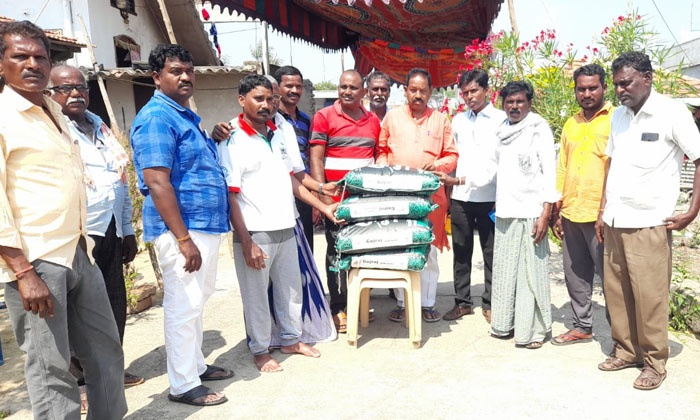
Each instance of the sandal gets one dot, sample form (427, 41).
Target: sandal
(534, 345)
(190, 396)
(398, 314)
(614, 363)
(430, 315)
(83, 399)
(649, 376)
(208, 374)
(572, 337)
(341, 322)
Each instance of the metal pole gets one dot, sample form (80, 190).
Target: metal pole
(100, 81)
(265, 49)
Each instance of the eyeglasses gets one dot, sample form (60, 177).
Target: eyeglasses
(66, 89)
(276, 97)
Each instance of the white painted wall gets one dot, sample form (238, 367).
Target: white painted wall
(102, 20)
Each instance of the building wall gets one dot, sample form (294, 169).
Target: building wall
(102, 20)
(216, 97)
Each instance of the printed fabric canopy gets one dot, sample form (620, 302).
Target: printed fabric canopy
(391, 36)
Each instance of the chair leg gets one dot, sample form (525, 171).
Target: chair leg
(416, 337)
(353, 307)
(364, 307)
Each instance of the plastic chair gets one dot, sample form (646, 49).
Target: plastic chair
(362, 280)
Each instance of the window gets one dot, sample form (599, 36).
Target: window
(127, 51)
(126, 7)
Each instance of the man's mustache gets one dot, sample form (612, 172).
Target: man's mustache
(377, 98)
(293, 95)
(264, 112)
(183, 84)
(514, 111)
(31, 73)
(74, 100)
(417, 100)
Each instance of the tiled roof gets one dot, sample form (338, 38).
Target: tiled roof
(53, 35)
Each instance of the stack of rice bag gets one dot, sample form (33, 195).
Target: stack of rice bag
(386, 215)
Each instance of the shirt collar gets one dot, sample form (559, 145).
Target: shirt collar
(487, 111)
(339, 109)
(605, 109)
(179, 108)
(250, 130)
(651, 105)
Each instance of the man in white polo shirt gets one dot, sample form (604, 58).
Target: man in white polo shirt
(261, 194)
(649, 134)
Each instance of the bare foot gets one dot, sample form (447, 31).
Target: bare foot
(267, 364)
(301, 348)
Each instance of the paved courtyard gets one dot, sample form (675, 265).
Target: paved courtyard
(459, 372)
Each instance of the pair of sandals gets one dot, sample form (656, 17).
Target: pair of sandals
(190, 396)
(647, 380)
(429, 314)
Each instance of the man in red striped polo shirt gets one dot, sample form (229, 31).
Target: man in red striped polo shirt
(343, 137)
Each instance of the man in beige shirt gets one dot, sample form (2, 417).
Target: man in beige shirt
(55, 294)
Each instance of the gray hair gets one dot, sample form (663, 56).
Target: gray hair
(271, 79)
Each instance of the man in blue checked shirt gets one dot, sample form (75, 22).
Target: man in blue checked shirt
(184, 214)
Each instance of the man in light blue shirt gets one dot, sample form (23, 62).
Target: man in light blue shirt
(108, 202)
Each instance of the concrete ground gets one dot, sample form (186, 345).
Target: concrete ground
(460, 372)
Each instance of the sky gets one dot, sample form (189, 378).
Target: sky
(578, 22)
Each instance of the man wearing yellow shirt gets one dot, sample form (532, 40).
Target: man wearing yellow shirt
(580, 175)
(55, 294)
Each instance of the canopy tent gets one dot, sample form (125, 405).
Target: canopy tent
(391, 36)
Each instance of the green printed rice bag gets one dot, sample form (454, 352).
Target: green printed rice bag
(383, 234)
(358, 208)
(412, 259)
(390, 180)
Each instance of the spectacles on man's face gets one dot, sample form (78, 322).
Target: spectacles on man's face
(66, 89)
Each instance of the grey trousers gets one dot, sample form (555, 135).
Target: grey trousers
(282, 272)
(583, 258)
(83, 321)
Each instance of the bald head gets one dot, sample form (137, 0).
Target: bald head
(68, 88)
(351, 89)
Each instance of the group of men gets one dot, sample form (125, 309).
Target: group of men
(64, 205)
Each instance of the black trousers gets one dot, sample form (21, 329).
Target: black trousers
(337, 281)
(468, 217)
(108, 257)
(306, 215)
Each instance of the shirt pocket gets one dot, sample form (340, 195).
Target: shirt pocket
(648, 155)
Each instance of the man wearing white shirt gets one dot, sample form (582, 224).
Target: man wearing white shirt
(649, 134)
(261, 193)
(525, 192)
(108, 202)
(473, 190)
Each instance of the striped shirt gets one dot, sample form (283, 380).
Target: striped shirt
(301, 124)
(349, 144)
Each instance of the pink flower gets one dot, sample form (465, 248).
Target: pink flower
(595, 50)
(585, 58)
(620, 18)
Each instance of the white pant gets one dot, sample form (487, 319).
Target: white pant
(428, 281)
(184, 296)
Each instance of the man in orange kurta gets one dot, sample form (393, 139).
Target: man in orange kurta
(420, 137)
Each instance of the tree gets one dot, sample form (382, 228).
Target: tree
(257, 54)
(325, 85)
